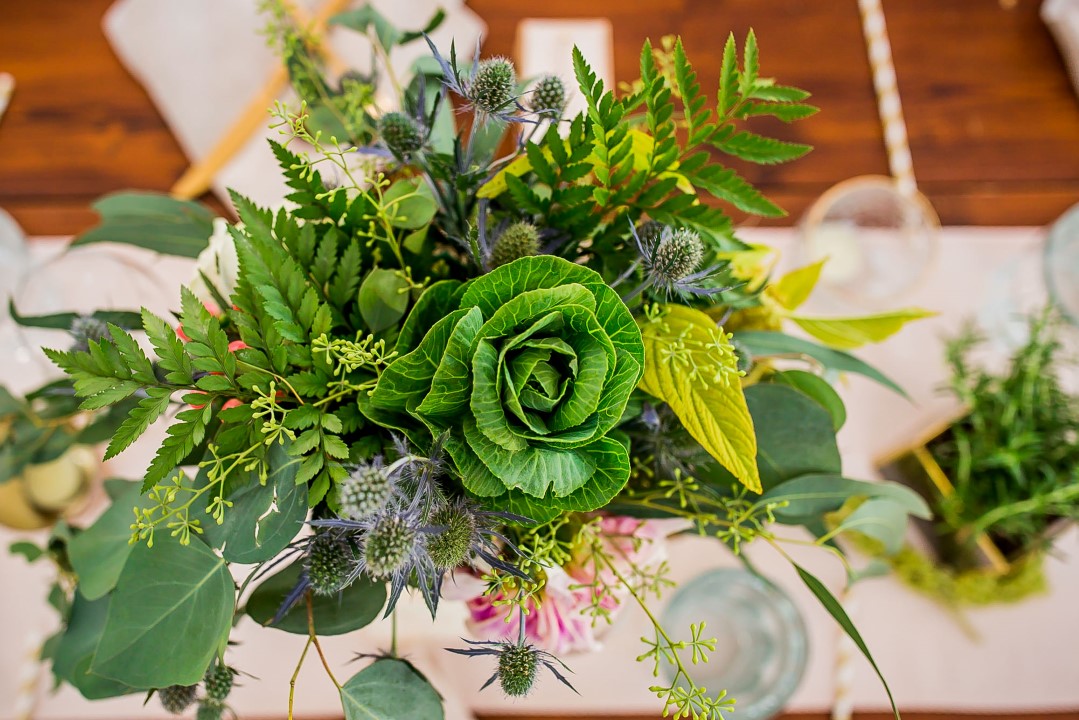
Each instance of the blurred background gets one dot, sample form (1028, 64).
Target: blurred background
(103, 95)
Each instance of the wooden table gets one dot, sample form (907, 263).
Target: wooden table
(994, 123)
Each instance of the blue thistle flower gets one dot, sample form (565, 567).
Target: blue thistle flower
(518, 663)
(489, 86)
(671, 260)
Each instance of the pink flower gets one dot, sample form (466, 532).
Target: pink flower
(560, 618)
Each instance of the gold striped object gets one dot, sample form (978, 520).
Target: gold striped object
(888, 105)
(7, 88)
(197, 179)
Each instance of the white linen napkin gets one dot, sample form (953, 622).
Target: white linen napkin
(203, 61)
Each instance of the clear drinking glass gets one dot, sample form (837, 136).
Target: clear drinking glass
(878, 240)
(1062, 264)
(761, 644)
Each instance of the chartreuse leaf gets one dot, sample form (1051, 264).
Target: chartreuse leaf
(689, 365)
(153, 221)
(835, 609)
(767, 344)
(816, 388)
(170, 614)
(390, 689)
(849, 333)
(795, 435)
(794, 288)
(351, 609)
(99, 552)
(264, 518)
(75, 650)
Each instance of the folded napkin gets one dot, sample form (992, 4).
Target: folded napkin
(204, 61)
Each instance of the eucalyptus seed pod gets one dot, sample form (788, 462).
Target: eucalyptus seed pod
(328, 563)
(548, 96)
(402, 134)
(521, 239)
(493, 86)
(517, 668)
(177, 698)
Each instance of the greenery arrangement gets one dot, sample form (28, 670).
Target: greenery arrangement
(442, 360)
(1012, 463)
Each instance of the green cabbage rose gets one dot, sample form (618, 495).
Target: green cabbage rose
(529, 367)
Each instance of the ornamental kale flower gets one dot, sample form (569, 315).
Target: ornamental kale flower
(529, 368)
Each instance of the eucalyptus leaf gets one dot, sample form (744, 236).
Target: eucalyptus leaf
(153, 221)
(810, 496)
(835, 609)
(390, 689)
(794, 434)
(62, 321)
(169, 616)
(353, 608)
(818, 389)
(264, 518)
(383, 299)
(410, 203)
(75, 650)
(98, 554)
(767, 344)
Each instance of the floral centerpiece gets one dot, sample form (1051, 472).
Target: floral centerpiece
(519, 353)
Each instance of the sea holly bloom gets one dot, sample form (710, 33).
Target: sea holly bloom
(529, 370)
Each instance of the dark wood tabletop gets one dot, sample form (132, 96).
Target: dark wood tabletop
(993, 119)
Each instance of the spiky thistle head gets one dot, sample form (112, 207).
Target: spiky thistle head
(517, 669)
(402, 133)
(177, 698)
(745, 357)
(218, 682)
(390, 545)
(676, 255)
(210, 710)
(650, 231)
(329, 563)
(518, 664)
(521, 239)
(453, 545)
(671, 260)
(85, 328)
(366, 491)
(493, 86)
(548, 96)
